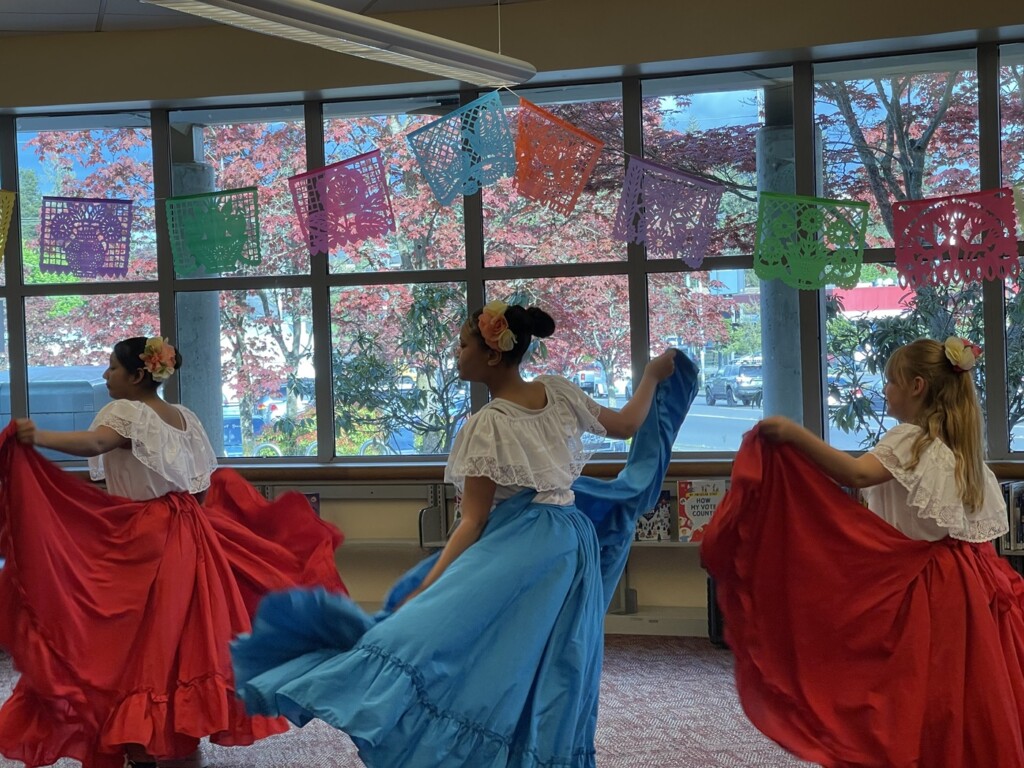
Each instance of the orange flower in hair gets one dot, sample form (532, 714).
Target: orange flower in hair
(158, 357)
(494, 327)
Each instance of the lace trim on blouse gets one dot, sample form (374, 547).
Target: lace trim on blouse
(182, 457)
(517, 476)
(518, 447)
(931, 487)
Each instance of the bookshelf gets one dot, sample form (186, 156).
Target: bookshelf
(1011, 546)
(390, 527)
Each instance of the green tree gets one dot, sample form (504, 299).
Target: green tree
(372, 390)
(30, 201)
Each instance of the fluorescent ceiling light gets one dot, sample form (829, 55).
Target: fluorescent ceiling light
(317, 24)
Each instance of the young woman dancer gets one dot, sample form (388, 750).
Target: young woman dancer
(488, 654)
(891, 635)
(118, 607)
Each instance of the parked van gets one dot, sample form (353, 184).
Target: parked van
(592, 381)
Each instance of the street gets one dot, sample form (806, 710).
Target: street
(720, 428)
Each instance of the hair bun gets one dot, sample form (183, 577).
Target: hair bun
(542, 324)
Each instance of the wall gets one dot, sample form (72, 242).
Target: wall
(172, 67)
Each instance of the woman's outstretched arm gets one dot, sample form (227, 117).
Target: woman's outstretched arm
(90, 442)
(624, 423)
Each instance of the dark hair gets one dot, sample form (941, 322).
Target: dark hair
(526, 323)
(129, 354)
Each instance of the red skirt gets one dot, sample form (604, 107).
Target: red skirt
(118, 613)
(854, 645)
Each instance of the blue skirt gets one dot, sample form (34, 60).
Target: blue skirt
(498, 663)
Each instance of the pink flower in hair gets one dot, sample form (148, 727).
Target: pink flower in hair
(158, 357)
(494, 327)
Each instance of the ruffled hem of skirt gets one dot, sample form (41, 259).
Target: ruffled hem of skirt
(382, 703)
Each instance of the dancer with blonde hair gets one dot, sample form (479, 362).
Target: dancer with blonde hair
(887, 633)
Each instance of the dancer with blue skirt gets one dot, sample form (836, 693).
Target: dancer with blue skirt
(489, 652)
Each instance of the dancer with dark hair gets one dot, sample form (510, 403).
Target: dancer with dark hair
(489, 653)
(117, 607)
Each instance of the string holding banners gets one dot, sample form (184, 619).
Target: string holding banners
(810, 242)
(956, 239)
(343, 203)
(466, 150)
(86, 237)
(669, 211)
(554, 159)
(214, 232)
(7, 199)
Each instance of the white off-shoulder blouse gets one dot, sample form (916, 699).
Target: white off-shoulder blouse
(924, 502)
(162, 458)
(520, 448)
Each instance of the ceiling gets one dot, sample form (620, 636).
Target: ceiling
(34, 17)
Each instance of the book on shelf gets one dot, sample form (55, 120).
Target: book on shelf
(656, 524)
(1014, 540)
(1004, 541)
(855, 494)
(698, 500)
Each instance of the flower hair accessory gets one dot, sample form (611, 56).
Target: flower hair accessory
(494, 327)
(158, 358)
(961, 353)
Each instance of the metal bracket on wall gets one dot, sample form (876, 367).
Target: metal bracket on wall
(624, 598)
(434, 518)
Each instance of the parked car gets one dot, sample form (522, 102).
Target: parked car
(866, 389)
(738, 382)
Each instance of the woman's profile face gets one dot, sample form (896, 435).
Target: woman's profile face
(119, 380)
(471, 359)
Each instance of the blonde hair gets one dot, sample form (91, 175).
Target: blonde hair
(950, 412)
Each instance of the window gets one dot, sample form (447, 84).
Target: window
(708, 126)
(522, 232)
(262, 368)
(900, 127)
(69, 340)
(1011, 111)
(713, 127)
(591, 342)
(427, 235)
(396, 385)
(262, 365)
(104, 157)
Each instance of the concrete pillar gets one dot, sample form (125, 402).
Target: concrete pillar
(780, 304)
(199, 327)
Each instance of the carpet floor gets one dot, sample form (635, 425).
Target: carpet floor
(666, 702)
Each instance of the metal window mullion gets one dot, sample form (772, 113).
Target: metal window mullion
(992, 291)
(160, 132)
(13, 291)
(476, 273)
(811, 303)
(320, 297)
(636, 254)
